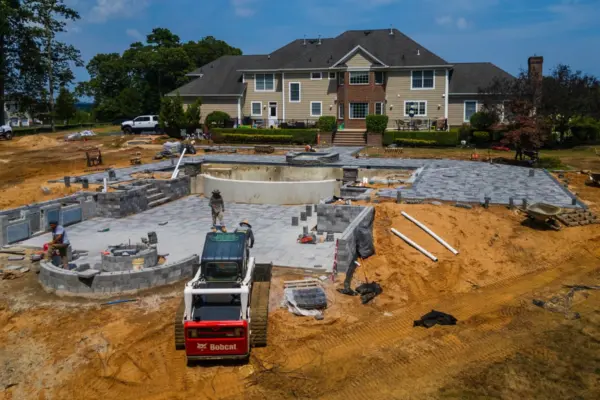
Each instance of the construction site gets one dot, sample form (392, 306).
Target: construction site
(343, 273)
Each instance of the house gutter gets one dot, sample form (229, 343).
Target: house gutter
(345, 68)
(283, 94)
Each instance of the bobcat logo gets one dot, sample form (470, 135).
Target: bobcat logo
(202, 346)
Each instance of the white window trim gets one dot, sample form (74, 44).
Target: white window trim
(264, 90)
(311, 109)
(358, 102)
(375, 78)
(416, 101)
(382, 108)
(316, 79)
(252, 109)
(343, 111)
(334, 76)
(465, 109)
(269, 110)
(299, 92)
(422, 79)
(358, 84)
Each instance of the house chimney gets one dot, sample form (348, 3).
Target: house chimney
(536, 75)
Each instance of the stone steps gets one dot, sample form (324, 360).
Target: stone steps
(155, 196)
(346, 138)
(158, 202)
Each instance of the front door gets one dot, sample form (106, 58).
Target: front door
(272, 113)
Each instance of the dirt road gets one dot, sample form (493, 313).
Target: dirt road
(502, 347)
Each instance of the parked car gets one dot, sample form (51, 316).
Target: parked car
(6, 132)
(143, 123)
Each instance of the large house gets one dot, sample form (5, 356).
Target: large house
(350, 76)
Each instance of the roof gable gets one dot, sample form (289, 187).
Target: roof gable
(358, 53)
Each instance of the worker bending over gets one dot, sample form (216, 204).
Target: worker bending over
(60, 242)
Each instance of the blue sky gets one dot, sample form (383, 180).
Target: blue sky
(504, 32)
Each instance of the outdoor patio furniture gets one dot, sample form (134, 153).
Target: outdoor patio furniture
(401, 125)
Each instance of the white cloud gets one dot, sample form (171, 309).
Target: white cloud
(135, 34)
(444, 20)
(461, 23)
(244, 8)
(109, 9)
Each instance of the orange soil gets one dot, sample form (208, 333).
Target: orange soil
(76, 349)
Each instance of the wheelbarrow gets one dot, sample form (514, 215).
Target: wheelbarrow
(545, 214)
(595, 178)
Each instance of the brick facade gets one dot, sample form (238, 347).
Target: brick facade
(370, 93)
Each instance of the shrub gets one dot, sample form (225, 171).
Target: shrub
(464, 132)
(481, 137)
(327, 123)
(483, 120)
(300, 136)
(414, 142)
(192, 116)
(550, 163)
(218, 118)
(235, 138)
(377, 123)
(585, 128)
(439, 138)
(388, 138)
(172, 117)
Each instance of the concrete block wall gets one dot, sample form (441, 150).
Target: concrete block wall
(122, 203)
(111, 283)
(346, 253)
(173, 189)
(336, 218)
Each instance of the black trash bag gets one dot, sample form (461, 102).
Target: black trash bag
(368, 291)
(364, 241)
(435, 317)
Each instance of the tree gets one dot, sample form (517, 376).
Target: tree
(192, 116)
(172, 117)
(483, 120)
(65, 105)
(568, 95)
(47, 19)
(150, 70)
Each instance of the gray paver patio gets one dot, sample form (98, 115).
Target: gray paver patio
(188, 222)
(440, 179)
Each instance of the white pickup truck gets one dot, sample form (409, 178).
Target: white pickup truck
(6, 132)
(143, 123)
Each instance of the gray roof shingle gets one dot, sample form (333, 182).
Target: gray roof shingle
(470, 77)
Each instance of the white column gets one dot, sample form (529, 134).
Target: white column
(446, 98)
(283, 95)
(239, 110)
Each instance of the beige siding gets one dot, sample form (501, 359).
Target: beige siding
(456, 108)
(399, 90)
(359, 60)
(323, 90)
(264, 97)
(210, 104)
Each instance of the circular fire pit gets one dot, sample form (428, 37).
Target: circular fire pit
(125, 258)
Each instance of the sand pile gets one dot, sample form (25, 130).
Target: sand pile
(37, 141)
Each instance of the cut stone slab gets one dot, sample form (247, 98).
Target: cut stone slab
(88, 273)
(16, 258)
(13, 268)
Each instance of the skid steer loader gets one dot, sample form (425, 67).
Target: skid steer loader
(225, 307)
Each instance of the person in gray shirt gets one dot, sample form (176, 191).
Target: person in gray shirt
(217, 208)
(60, 242)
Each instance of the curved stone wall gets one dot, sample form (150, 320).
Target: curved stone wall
(93, 282)
(262, 192)
(111, 263)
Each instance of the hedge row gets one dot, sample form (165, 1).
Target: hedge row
(47, 129)
(414, 142)
(269, 132)
(304, 138)
(439, 138)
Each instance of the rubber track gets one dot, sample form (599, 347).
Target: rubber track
(179, 333)
(260, 313)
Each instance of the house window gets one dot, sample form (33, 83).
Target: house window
(379, 108)
(264, 82)
(294, 92)
(316, 76)
(359, 78)
(341, 78)
(419, 106)
(470, 109)
(256, 110)
(332, 75)
(379, 77)
(316, 108)
(341, 111)
(359, 110)
(423, 80)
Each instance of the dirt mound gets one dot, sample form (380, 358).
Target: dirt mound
(37, 141)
